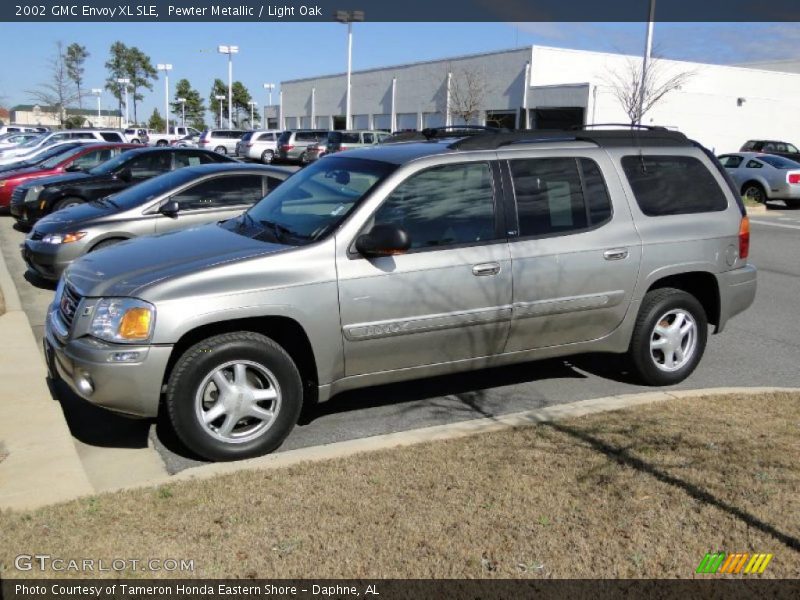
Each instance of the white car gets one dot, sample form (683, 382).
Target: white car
(32, 155)
(261, 144)
(7, 140)
(48, 139)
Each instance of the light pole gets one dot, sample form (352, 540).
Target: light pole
(347, 17)
(253, 105)
(648, 47)
(269, 87)
(220, 97)
(183, 110)
(230, 51)
(124, 81)
(166, 67)
(98, 92)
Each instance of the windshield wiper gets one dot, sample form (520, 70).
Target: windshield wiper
(280, 231)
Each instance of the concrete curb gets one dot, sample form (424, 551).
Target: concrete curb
(443, 432)
(756, 210)
(42, 466)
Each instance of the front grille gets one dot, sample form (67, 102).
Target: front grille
(18, 195)
(68, 305)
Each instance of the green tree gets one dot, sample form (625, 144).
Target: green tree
(140, 70)
(117, 69)
(195, 107)
(58, 92)
(218, 88)
(73, 60)
(156, 122)
(241, 100)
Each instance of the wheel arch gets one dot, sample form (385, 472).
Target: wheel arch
(762, 184)
(703, 285)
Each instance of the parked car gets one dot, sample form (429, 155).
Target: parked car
(176, 200)
(259, 145)
(36, 156)
(47, 139)
(21, 129)
(137, 135)
(772, 147)
(292, 144)
(31, 201)
(347, 140)
(222, 141)
(81, 158)
(15, 139)
(410, 260)
(762, 177)
(159, 138)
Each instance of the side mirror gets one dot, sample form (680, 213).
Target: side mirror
(125, 174)
(383, 240)
(170, 208)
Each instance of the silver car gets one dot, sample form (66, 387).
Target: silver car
(410, 260)
(762, 177)
(261, 144)
(176, 200)
(222, 141)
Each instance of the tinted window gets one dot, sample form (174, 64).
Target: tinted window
(247, 136)
(285, 137)
(94, 158)
(444, 206)
(265, 137)
(149, 165)
(111, 136)
(349, 138)
(85, 135)
(369, 138)
(552, 199)
(779, 162)
(753, 164)
(305, 136)
(672, 185)
(222, 192)
(749, 146)
(730, 161)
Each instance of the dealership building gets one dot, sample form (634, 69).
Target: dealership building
(543, 88)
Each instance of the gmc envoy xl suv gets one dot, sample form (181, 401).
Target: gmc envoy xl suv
(443, 253)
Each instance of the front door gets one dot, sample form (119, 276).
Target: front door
(575, 258)
(449, 298)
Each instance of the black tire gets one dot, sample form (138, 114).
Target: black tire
(303, 159)
(106, 244)
(195, 367)
(792, 203)
(67, 202)
(161, 143)
(135, 141)
(221, 150)
(267, 156)
(651, 365)
(754, 191)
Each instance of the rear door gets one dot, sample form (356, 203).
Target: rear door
(575, 256)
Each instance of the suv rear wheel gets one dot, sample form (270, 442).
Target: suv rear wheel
(669, 337)
(234, 396)
(221, 150)
(267, 156)
(754, 192)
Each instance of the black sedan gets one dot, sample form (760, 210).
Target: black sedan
(30, 202)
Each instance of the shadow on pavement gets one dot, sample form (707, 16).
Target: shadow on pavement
(39, 282)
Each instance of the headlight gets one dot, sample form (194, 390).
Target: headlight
(123, 320)
(3, 183)
(33, 193)
(63, 238)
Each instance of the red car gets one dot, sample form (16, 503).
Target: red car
(82, 158)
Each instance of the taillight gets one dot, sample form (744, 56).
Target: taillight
(287, 147)
(744, 238)
(793, 177)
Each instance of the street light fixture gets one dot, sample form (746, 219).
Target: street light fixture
(220, 97)
(253, 105)
(124, 81)
(269, 87)
(98, 92)
(347, 17)
(230, 51)
(166, 67)
(183, 110)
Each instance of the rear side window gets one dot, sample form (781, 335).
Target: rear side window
(672, 185)
(111, 136)
(559, 195)
(222, 192)
(730, 161)
(305, 136)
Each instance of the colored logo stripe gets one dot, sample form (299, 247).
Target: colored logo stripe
(719, 562)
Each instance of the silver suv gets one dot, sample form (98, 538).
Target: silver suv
(409, 260)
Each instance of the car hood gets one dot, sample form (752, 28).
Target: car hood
(67, 178)
(128, 268)
(72, 217)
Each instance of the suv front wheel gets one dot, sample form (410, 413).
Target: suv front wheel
(234, 396)
(669, 337)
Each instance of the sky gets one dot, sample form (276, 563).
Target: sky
(272, 52)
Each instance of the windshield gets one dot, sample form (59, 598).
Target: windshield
(59, 156)
(32, 142)
(151, 188)
(779, 162)
(312, 203)
(111, 165)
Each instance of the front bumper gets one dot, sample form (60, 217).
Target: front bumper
(27, 213)
(50, 260)
(130, 388)
(737, 291)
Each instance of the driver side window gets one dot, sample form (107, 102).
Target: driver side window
(445, 206)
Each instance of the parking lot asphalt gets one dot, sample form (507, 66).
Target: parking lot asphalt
(758, 348)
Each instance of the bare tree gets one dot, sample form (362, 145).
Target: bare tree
(636, 95)
(60, 91)
(74, 59)
(468, 95)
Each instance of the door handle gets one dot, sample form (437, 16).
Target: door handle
(486, 269)
(616, 254)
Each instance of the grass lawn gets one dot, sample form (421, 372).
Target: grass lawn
(644, 492)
